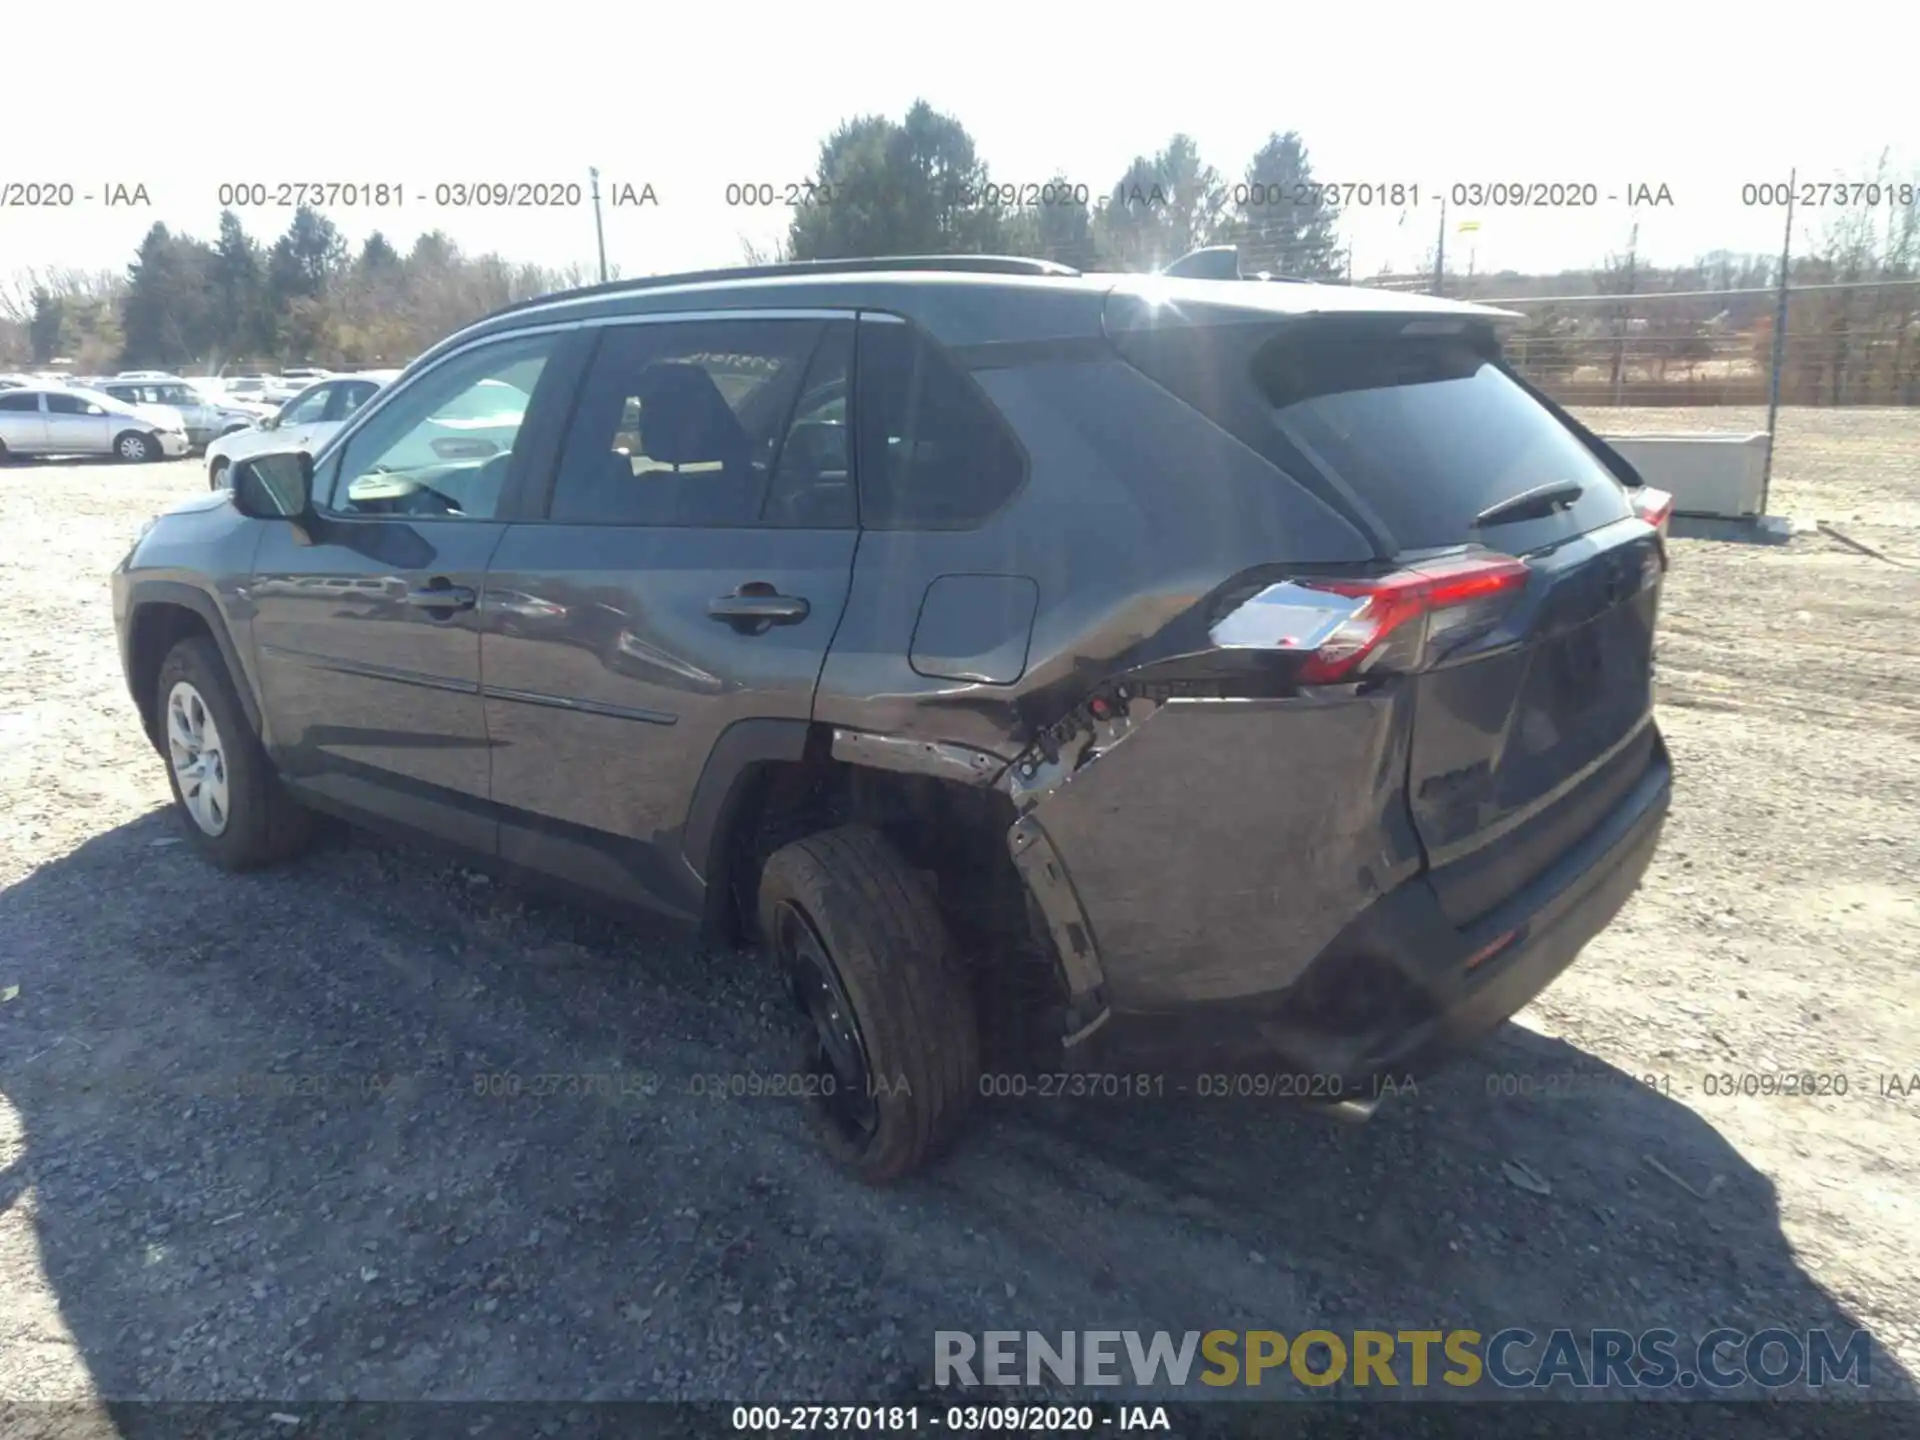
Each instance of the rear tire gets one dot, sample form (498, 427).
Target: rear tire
(256, 822)
(135, 448)
(872, 964)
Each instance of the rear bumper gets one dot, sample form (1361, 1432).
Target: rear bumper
(1401, 990)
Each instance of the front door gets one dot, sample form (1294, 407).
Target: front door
(368, 637)
(78, 426)
(689, 572)
(304, 422)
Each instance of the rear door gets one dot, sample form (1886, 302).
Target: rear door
(307, 419)
(1530, 723)
(23, 425)
(689, 572)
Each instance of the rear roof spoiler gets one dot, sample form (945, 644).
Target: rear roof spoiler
(1220, 262)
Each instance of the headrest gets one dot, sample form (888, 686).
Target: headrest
(684, 419)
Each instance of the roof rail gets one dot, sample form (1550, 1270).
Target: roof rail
(973, 264)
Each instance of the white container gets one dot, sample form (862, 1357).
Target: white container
(1715, 475)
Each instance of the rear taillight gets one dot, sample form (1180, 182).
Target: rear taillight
(1345, 628)
(1653, 506)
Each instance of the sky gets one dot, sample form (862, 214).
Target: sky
(689, 99)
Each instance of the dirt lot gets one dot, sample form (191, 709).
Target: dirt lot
(173, 1225)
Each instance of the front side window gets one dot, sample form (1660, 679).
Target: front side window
(718, 423)
(442, 447)
(72, 405)
(308, 408)
(352, 395)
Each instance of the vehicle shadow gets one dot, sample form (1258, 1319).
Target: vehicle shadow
(367, 1127)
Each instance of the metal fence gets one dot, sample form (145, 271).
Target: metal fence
(1844, 343)
(1661, 337)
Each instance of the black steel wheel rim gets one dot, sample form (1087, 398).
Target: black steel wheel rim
(836, 1049)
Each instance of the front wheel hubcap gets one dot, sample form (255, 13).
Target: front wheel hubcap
(132, 449)
(837, 1051)
(198, 758)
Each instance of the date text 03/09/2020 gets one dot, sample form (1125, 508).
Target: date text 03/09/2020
(965, 1419)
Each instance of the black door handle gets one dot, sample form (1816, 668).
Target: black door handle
(439, 595)
(756, 607)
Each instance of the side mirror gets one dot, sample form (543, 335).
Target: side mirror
(274, 487)
(270, 422)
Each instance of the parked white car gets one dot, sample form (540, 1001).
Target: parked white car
(67, 420)
(303, 423)
(247, 389)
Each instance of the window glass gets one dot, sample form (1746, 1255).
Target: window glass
(20, 400)
(1430, 432)
(442, 448)
(354, 394)
(934, 454)
(812, 482)
(70, 405)
(308, 408)
(682, 423)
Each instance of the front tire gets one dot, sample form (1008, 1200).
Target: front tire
(895, 1051)
(237, 813)
(135, 448)
(217, 474)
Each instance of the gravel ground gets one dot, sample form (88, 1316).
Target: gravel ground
(243, 1156)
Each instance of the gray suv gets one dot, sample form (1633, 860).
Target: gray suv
(1165, 681)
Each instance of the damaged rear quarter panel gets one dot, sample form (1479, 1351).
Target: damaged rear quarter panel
(1220, 846)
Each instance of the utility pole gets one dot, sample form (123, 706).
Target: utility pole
(1440, 251)
(599, 232)
(1620, 342)
(1779, 340)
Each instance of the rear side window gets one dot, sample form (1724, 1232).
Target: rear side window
(1429, 432)
(21, 400)
(934, 453)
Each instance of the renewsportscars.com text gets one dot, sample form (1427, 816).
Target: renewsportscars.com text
(1510, 1359)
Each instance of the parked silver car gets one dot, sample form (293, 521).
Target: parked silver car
(206, 414)
(66, 420)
